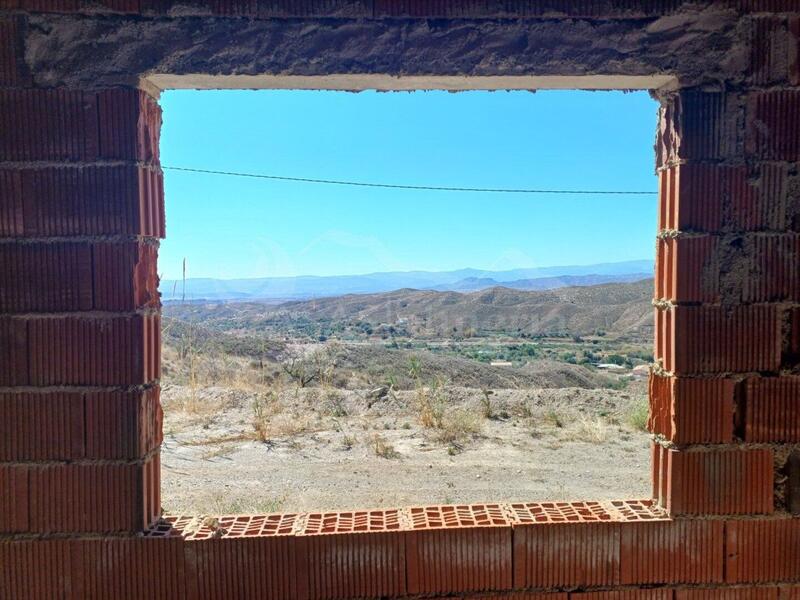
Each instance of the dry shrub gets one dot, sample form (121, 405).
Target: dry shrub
(382, 447)
(553, 418)
(486, 403)
(452, 427)
(260, 422)
(270, 421)
(431, 405)
(458, 425)
(333, 404)
(289, 425)
(265, 406)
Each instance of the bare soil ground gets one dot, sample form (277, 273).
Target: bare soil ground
(231, 449)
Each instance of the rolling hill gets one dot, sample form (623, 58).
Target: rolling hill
(615, 308)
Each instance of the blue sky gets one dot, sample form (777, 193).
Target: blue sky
(236, 228)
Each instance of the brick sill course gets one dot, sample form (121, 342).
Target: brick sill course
(609, 550)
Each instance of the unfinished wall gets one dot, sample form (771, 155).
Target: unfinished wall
(81, 213)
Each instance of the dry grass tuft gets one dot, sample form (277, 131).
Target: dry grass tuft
(486, 403)
(383, 448)
(593, 430)
(270, 421)
(449, 426)
(431, 404)
(457, 426)
(264, 407)
(553, 418)
(199, 408)
(637, 415)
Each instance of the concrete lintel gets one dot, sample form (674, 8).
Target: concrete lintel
(356, 82)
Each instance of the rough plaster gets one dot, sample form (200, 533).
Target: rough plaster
(698, 47)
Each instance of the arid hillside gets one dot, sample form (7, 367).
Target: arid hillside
(406, 397)
(616, 308)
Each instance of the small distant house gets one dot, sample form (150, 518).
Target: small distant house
(610, 367)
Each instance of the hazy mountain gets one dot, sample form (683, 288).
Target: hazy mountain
(473, 284)
(306, 287)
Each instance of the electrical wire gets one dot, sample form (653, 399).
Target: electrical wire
(397, 186)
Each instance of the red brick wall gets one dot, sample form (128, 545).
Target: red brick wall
(81, 214)
(723, 398)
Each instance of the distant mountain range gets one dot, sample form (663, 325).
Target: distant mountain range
(474, 284)
(462, 280)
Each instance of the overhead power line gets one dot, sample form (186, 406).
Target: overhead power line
(398, 186)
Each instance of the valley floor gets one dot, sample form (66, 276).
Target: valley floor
(229, 450)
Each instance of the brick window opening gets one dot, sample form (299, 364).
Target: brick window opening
(300, 394)
(81, 217)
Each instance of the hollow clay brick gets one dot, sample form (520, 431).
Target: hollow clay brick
(13, 352)
(566, 555)
(101, 497)
(653, 594)
(72, 201)
(72, 125)
(687, 269)
(267, 567)
(10, 46)
(125, 276)
(692, 410)
(40, 426)
(715, 339)
(358, 565)
(102, 351)
(713, 198)
(697, 125)
(14, 493)
(762, 550)
(717, 482)
(62, 425)
(772, 409)
(463, 559)
(671, 552)
(759, 593)
(46, 277)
